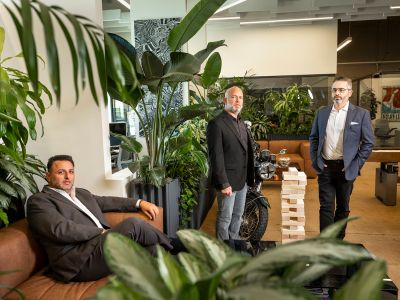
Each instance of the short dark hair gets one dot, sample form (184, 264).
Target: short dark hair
(54, 158)
(343, 78)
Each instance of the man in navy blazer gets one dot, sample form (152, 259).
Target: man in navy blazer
(231, 161)
(341, 140)
(69, 224)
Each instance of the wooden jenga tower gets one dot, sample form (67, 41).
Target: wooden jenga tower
(292, 195)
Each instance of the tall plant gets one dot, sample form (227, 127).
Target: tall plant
(153, 73)
(16, 167)
(292, 108)
(211, 270)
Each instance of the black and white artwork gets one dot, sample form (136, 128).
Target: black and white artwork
(152, 35)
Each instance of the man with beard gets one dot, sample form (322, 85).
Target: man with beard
(231, 164)
(341, 140)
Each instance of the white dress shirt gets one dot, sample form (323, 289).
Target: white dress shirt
(333, 145)
(79, 204)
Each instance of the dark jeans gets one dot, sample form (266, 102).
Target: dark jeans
(137, 230)
(333, 184)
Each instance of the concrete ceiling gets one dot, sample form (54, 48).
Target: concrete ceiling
(344, 10)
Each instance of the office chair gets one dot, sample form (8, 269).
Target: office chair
(382, 130)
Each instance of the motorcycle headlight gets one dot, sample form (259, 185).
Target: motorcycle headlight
(267, 170)
(265, 155)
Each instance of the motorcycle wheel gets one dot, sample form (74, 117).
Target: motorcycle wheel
(255, 218)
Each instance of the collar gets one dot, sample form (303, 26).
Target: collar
(62, 192)
(238, 118)
(345, 108)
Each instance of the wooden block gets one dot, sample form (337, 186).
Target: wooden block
(293, 171)
(292, 196)
(298, 231)
(292, 224)
(290, 182)
(292, 191)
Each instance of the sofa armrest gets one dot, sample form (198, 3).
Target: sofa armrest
(305, 150)
(114, 218)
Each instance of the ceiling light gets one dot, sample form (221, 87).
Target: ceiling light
(395, 7)
(286, 20)
(344, 43)
(124, 3)
(223, 18)
(229, 5)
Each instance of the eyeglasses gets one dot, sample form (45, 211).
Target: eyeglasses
(341, 90)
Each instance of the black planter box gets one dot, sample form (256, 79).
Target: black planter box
(166, 197)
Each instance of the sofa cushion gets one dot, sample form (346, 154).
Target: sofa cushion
(292, 146)
(40, 287)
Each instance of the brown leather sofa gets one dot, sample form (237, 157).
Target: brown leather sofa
(19, 252)
(297, 150)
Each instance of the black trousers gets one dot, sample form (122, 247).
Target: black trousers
(137, 230)
(332, 185)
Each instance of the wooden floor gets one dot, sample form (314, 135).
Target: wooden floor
(378, 227)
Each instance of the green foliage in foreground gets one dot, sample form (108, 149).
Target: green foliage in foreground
(211, 270)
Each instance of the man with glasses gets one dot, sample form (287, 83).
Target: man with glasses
(341, 140)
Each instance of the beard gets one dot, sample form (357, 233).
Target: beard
(229, 107)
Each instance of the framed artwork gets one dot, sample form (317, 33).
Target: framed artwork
(391, 103)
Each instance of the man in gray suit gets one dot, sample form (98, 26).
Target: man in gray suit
(68, 222)
(341, 140)
(231, 160)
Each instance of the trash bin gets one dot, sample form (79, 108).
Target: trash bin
(386, 183)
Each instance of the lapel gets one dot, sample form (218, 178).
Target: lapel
(60, 197)
(228, 122)
(349, 118)
(324, 119)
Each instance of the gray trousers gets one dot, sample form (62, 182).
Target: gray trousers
(229, 214)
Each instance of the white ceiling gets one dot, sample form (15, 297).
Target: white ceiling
(344, 10)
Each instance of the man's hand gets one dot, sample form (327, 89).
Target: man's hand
(149, 209)
(227, 191)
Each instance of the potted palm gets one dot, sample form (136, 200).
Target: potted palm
(160, 126)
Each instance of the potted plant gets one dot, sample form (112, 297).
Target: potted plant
(17, 168)
(211, 270)
(160, 126)
(291, 110)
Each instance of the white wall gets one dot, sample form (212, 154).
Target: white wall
(272, 50)
(82, 130)
(157, 9)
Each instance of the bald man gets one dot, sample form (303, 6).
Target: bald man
(231, 164)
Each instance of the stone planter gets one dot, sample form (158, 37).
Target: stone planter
(166, 197)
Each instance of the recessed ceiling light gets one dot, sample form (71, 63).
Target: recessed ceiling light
(224, 18)
(395, 7)
(229, 5)
(124, 3)
(286, 20)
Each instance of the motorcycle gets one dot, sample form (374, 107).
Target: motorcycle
(255, 216)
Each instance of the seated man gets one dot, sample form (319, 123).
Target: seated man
(69, 224)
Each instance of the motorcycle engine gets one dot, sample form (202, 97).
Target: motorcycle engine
(267, 170)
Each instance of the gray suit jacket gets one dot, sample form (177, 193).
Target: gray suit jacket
(66, 233)
(358, 139)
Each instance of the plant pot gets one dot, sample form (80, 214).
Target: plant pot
(205, 201)
(166, 197)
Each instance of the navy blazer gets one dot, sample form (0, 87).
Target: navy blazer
(66, 233)
(230, 161)
(358, 139)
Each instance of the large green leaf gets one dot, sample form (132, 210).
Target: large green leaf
(2, 37)
(134, 266)
(194, 267)
(208, 249)
(192, 22)
(322, 251)
(211, 46)
(182, 67)
(171, 272)
(365, 284)
(212, 70)
(152, 66)
(333, 230)
(52, 52)
(268, 292)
